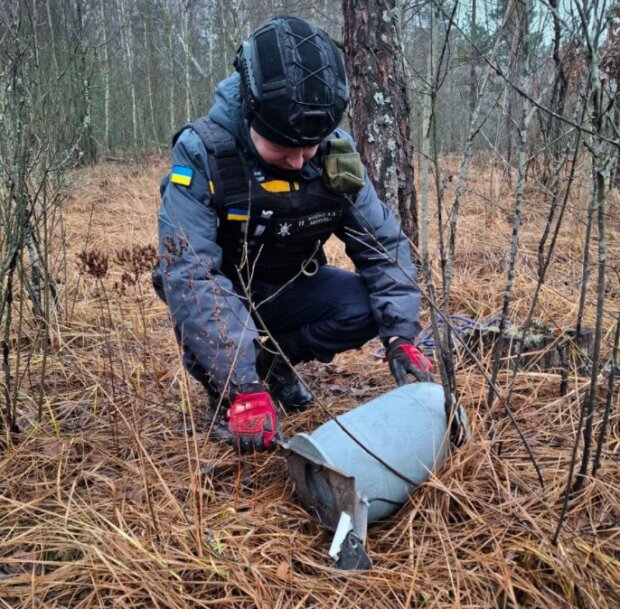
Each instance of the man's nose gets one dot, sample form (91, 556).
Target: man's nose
(295, 158)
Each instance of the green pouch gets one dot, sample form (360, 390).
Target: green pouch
(342, 167)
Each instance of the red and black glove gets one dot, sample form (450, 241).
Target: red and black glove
(253, 421)
(405, 358)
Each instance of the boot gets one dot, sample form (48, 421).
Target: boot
(213, 418)
(212, 421)
(219, 431)
(284, 385)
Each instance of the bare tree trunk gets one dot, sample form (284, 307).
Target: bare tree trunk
(473, 62)
(554, 157)
(126, 39)
(223, 33)
(52, 30)
(31, 150)
(231, 16)
(428, 152)
(524, 122)
(380, 104)
(171, 79)
(599, 162)
(106, 79)
(592, 29)
(516, 33)
(615, 172)
(210, 65)
(611, 65)
(148, 49)
(476, 122)
(88, 144)
(186, 62)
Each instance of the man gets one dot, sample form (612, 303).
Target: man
(256, 189)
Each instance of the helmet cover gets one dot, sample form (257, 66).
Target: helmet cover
(293, 83)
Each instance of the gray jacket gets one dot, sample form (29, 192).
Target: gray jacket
(210, 319)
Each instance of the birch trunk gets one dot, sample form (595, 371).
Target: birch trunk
(186, 66)
(88, 144)
(148, 49)
(127, 40)
(171, 76)
(105, 70)
(52, 30)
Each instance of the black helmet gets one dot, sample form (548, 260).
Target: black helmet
(293, 83)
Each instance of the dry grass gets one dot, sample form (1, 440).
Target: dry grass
(108, 502)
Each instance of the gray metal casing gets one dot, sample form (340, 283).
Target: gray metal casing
(405, 427)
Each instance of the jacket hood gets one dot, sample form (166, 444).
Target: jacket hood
(226, 110)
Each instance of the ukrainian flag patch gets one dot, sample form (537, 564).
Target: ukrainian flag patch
(181, 175)
(240, 215)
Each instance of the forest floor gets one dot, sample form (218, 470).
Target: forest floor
(108, 501)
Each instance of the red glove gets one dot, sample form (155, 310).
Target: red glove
(253, 421)
(405, 358)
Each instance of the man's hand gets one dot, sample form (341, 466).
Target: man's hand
(253, 421)
(405, 358)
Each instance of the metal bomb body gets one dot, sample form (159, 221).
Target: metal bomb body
(363, 466)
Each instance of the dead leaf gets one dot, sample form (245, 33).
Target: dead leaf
(282, 570)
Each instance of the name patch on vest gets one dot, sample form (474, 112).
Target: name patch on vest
(320, 217)
(289, 227)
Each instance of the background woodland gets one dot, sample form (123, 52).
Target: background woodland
(492, 128)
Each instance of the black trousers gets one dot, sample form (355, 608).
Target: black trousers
(321, 315)
(324, 314)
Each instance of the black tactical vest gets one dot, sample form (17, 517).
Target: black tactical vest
(269, 229)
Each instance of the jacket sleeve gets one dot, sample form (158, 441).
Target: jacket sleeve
(377, 245)
(210, 320)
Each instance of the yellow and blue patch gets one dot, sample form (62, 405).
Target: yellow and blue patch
(181, 175)
(238, 215)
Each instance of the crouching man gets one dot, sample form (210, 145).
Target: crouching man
(257, 187)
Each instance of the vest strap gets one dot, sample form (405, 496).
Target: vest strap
(228, 172)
